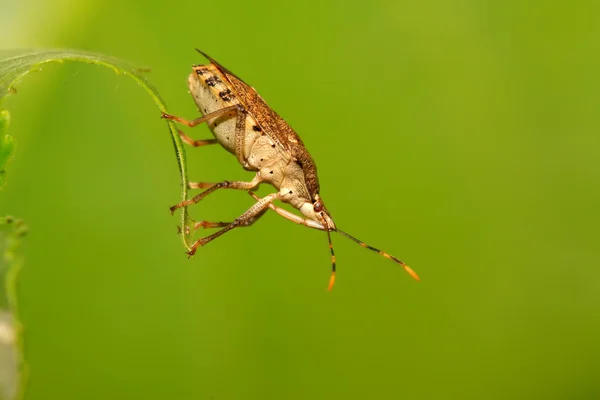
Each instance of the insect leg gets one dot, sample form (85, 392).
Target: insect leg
(311, 224)
(246, 219)
(291, 216)
(200, 185)
(221, 185)
(208, 225)
(203, 224)
(202, 119)
(195, 143)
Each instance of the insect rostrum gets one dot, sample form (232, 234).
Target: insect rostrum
(243, 123)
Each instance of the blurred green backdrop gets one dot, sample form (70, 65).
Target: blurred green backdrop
(461, 136)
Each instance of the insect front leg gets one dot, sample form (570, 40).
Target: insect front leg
(221, 185)
(246, 219)
(208, 225)
(203, 224)
(200, 185)
(291, 216)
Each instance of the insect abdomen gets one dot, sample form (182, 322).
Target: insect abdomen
(211, 94)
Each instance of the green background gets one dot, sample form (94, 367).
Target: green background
(461, 136)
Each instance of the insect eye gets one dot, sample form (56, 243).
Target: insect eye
(318, 206)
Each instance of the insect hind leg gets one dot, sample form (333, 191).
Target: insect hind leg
(196, 143)
(198, 121)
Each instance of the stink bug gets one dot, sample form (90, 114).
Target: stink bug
(243, 123)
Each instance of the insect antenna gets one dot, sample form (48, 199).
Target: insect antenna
(332, 279)
(383, 253)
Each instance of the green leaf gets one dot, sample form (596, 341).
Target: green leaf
(12, 365)
(15, 64)
(7, 146)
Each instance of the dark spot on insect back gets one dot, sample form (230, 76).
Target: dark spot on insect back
(226, 95)
(212, 81)
(256, 128)
(201, 71)
(273, 146)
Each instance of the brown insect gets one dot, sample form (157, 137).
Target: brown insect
(262, 141)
